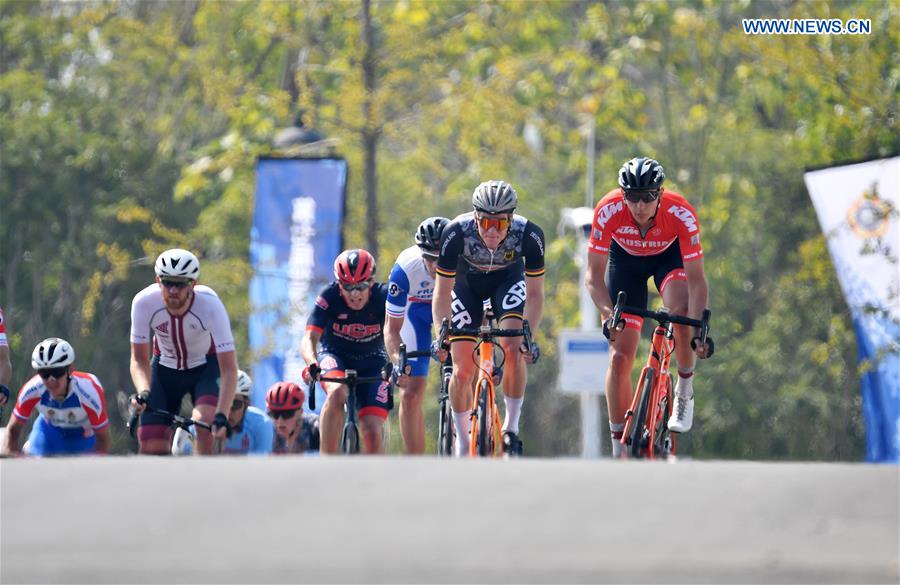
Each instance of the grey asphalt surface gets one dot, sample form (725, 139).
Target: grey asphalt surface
(425, 520)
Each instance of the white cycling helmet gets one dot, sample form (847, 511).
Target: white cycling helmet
(244, 384)
(53, 352)
(177, 263)
(495, 197)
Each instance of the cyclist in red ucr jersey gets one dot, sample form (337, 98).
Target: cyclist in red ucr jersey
(193, 352)
(642, 230)
(348, 320)
(5, 363)
(72, 416)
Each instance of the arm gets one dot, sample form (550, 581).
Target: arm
(534, 300)
(440, 302)
(140, 366)
(392, 338)
(596, 286)
(13, 430)
(103, 440)
(698, 289)
(309, 345)
(228, 369)
(5, 372)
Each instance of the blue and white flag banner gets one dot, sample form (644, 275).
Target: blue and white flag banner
(857, 206)
(295, 237)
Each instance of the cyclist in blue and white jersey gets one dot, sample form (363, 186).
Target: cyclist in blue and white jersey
(408, 321)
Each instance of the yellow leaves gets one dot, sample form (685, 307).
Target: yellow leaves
(119, 260)
(133, 213)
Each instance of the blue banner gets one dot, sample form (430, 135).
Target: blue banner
(857, 208)
(295, 237)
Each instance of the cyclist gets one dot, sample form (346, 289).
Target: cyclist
(5, 363)
(642, 230)
(410, 288)
(295, 431)
(251, 430)
(72, 416)
(348, 318)
(193, 348)
(481, 258)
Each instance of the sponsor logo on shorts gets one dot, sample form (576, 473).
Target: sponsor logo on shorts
(515, 296)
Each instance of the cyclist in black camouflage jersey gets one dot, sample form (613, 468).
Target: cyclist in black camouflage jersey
(490, 254)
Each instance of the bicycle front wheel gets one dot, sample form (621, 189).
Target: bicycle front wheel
(445, 430)
(350, 440)
(663, 440)
(639, 426)
(483, 421)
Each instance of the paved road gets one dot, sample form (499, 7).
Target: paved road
(424, 520)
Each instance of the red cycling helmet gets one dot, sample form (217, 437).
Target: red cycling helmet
(284, 396)
(354, 266)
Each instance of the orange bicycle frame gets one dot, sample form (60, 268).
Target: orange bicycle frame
(485, 383)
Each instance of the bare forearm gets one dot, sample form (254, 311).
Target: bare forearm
(698, 295)
(308, 348)
(599, 295)
(103, 442)
(392, 338)
(227, 381)
(5, 366)
(13, 430)
(140, 375)
(440, 305)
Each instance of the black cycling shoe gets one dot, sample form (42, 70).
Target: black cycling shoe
(512, 444)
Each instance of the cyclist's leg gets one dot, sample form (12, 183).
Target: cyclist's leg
(508, 302)
(205, 396)
(331, 419)
(672, 285)
(628, 273)
(374, 402)
(468, 309)
(416, 334)
(166, 391)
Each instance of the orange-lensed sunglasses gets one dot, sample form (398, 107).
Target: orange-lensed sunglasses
(486, 223)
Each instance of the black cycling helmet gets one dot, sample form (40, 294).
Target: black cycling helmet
(641, 174)
(428, 234)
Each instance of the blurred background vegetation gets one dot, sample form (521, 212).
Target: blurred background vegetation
(133, 126)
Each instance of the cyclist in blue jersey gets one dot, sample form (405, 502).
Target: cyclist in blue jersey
(252, 431)
(348, 320)
(410, 288)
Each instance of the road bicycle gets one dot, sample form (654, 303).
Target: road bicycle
(485, 435)
(446, 434)
(183, 439)
(350, 433)
(646, 433)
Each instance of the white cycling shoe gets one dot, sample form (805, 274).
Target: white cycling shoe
(682, 418)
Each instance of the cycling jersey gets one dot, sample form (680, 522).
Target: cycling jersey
(182, 342)
(255, 436)
(2, 329)
(78, 415)
(463, 250)
(410, 290)
(675, 220)
(409, 282)
(305, 441)
(352, 334)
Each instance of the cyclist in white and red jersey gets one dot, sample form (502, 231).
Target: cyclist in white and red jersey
(642, 230)
(193, 352)
(72, 416)
(5, 363)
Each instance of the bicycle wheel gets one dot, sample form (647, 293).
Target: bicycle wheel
(638, 427)
(662, 439)
(350, 440)
(483, 421)
(445, 430)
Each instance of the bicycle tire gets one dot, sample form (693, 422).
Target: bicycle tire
(482, 421)
(445, 430)
(638, 426)
(350, 440)
(661, 434)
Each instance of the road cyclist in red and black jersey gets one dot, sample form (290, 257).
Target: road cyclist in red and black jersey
(346, 331)
(643, 230)
(193, 353)
(491, 254)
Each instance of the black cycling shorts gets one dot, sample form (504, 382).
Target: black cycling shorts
(629, 273)
(505, 289)
(168, 387)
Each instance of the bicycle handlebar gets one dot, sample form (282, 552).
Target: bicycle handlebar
(350, 378)
(661, 317)
(183, 422)
(405, 356)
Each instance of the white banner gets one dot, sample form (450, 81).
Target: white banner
(857, 206)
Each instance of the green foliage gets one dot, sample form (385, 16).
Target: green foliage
(131, 127)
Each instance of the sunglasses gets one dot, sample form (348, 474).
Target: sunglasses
(430, 257)
(645, 196)
(356, 287)
(238, 404)
(486, 223)
(285, 414)
(179, 284)
(54, 372)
